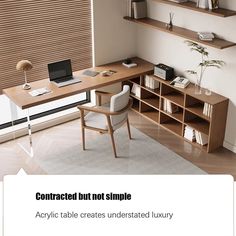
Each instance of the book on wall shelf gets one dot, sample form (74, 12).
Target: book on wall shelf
(206, 36)
(130, 7)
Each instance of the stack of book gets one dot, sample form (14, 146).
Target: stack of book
(206, 36)
(169, 107)
(151, 83)
(207, 109)
(201, 138)
(180, 82)
(131, 7)
(136, 90)
(189, 134)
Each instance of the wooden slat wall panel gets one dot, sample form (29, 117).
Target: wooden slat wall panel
(43, 32)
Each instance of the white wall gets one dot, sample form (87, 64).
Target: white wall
(156, 47)
(113, 39)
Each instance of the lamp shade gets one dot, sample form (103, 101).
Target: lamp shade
(24, 65)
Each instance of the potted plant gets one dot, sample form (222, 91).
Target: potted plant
(203, 65)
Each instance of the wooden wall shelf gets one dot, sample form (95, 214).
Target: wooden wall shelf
(221, 12)
(181, 32)
(190, 110)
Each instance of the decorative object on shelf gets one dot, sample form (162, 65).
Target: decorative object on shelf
(206, 36)
(203, 65)
(163, 71)
(25, 65)
(215, 4)
(169, 25)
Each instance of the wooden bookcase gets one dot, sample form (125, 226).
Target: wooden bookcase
(190, 112)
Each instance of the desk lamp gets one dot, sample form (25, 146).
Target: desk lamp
(24, 65)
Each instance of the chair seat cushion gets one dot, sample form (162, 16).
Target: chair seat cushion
(97, 120)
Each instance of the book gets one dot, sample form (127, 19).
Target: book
(140, 9)
(203, 4)
(130, 65)
(207, 109)
(180, 82)
(38, 92)
(201, 138)
(131, 7)
(206, 36)
(210, 4)
(189, 134)
(169, 107)
(136, 90)
(151, 83)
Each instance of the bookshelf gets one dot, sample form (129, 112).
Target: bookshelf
(190, 106)
(181, 32)
(190, 5)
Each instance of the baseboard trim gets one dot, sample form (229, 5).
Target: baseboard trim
(22, 130)
(230, 146)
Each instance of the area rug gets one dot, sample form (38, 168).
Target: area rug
(141, 155)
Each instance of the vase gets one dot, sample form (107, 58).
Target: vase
(197, 89)
(207, 92)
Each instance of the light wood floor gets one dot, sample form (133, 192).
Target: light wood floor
(220, 162)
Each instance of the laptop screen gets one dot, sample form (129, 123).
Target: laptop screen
(59, 69)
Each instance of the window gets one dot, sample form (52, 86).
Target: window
(43, 32)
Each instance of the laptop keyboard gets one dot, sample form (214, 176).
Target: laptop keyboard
(63, 79)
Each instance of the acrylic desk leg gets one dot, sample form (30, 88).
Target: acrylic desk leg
(30, 152)
(13, 118)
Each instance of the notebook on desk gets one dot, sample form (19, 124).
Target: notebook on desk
(60, 73)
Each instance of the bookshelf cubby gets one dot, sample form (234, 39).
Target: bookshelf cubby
(150, 104)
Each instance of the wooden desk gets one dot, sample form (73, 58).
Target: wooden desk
(24, 100)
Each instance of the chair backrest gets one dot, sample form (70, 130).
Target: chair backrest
(118, 102)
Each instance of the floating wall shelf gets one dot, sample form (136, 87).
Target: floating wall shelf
(181, 32)
(221, 12)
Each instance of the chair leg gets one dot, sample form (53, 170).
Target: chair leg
(82, 128)
(83, 137)
(128, 126)
(111, 134)
(113, 144)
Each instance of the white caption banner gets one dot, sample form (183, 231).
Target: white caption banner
(160, 205)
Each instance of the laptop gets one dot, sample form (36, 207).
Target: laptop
(60, 73)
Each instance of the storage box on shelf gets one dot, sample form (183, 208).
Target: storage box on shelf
(175, 109)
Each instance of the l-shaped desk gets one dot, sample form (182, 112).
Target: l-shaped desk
(24, 100)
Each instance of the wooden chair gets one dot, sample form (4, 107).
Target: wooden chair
(107, 119)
